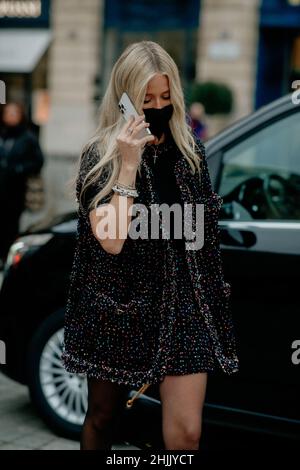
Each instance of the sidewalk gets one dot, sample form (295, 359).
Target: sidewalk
(21, 428)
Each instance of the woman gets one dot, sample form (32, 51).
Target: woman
(20, 157)
(144, 310)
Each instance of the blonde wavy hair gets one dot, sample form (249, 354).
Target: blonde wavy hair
(138, 64)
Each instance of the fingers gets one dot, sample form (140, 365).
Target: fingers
(136, 124)
(138, 128)
(142, 141)
(128, 123)
(148, 138)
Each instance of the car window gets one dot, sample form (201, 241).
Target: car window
(261, 174)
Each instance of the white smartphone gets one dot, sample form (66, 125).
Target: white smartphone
(127, 109)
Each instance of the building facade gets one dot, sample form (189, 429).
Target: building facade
(253, 46)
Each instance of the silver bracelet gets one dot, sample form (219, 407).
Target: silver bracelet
(125, 192)
(124, 185)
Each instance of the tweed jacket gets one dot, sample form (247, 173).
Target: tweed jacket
(111, 296)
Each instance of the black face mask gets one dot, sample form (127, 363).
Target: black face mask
(158, 119)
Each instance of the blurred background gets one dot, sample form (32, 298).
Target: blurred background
(56, 56)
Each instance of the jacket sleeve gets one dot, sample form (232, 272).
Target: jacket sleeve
(88, 160)
(205, 179)
(34, 161)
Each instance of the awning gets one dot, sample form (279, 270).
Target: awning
(21, 49)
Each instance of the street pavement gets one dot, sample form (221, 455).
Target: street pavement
(21, 428)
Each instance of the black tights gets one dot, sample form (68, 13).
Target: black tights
(105, 402)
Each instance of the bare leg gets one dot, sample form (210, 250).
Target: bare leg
(182, 399)
(105, 400)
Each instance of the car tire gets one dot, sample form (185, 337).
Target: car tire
(59, 397)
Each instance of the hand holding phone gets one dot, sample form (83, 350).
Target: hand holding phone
(135, 134)
(127, 109)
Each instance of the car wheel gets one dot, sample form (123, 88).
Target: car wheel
(60, 397)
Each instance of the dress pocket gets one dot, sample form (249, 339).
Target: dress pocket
(121, 330)
(108, 305)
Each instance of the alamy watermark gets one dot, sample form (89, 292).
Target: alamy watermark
(139, 226)
(296, 93)
(2, 352)
(296, 354)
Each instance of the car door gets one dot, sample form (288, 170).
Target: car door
(260, 241)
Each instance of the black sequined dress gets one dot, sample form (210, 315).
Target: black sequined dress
(191, 344)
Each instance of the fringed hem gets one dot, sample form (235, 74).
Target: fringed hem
(100, 371)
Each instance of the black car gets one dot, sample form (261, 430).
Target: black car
(255, 167)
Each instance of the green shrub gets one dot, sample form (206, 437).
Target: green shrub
(217, 98)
